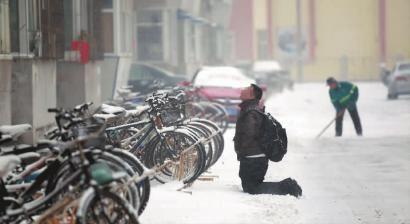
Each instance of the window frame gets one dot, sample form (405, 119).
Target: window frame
(4, 27)
(29, 33)
(144, 24)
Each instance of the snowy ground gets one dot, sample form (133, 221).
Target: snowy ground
(344, 180)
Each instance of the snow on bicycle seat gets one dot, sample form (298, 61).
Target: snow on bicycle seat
(15, 149)
(108, 109)
(15, 130)
(138, 110)
(8, 163)
(105, 117)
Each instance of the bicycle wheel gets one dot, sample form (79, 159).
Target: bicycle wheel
(201, 133)
(170, 146)
(219, 140)
(114, 162)
(102, 207)
(221, 118)
(144, 186)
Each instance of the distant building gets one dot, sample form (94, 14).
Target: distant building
(344, 38)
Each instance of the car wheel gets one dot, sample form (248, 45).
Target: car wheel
(391, 96)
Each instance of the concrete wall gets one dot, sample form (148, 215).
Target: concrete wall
(397, 30)
(78, 83)
(122, 71)
(5, 92)
(22, 92)
(92, 82)
(70, 84)
(44, 92)
(108, 77)
(33, 92)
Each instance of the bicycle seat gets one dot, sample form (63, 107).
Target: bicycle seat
(29, 157)
(15, 130)
(108, 109)
(105, 117)
(8, 163)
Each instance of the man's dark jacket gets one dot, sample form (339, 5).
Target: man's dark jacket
(248, 129)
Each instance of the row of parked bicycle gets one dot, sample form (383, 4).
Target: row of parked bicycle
(96, 167)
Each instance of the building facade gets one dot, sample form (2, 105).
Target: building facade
(37, 67)
(345, 38)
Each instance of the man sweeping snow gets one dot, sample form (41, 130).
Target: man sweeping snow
(344, 96)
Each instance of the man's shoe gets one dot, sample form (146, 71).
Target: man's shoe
(290, 186)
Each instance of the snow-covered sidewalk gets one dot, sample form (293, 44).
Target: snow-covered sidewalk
(344, 180)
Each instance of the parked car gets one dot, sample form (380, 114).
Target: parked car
(272, 74)
(143, 78)
(222, 84)
(398, 80)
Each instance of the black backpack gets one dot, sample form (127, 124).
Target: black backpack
(274, 141)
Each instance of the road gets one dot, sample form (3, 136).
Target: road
(345, 180)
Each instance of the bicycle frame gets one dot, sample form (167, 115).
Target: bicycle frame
(30, 208)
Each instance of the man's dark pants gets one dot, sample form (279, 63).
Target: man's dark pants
(354, 114)
(252, 173)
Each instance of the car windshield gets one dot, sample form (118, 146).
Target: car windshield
(233, 78)
(404, 67)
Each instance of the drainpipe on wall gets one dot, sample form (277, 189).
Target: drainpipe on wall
(382, 30)
(299, 58)
(270, 27)
(312, 30)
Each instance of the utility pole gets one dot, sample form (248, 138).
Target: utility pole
(299, 58)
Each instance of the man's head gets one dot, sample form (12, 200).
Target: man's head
(251, 92)
(331, 82)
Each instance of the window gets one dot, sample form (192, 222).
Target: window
(80, 16)
(68, 24)
(4, 27)
(150, 35)
(24, 27)
(14, 26)
(108, 32)
(107, 22)
(143, 72)
(140, 72)
(52, 29)
(404, 67)
(84, 16)
(126, 9)
(107, 4)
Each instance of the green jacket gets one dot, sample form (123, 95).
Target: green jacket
(345, 95)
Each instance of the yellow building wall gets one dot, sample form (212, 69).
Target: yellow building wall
(347, 35)
(397, 30)
(259, 22)
(347, 40)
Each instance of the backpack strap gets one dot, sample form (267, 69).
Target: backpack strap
(249, 109)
